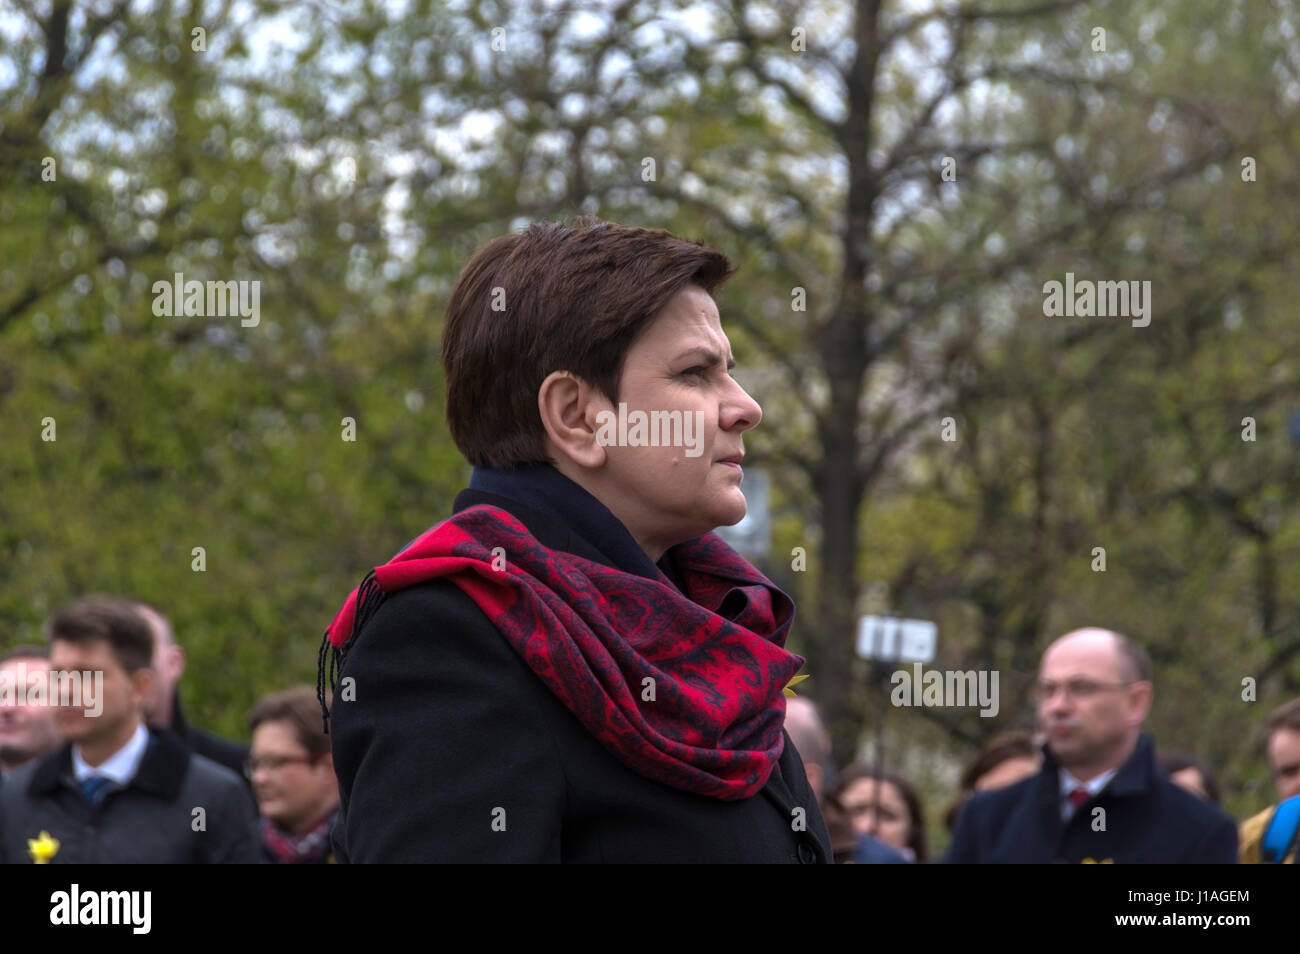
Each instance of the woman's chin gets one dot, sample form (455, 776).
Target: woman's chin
(731, 510)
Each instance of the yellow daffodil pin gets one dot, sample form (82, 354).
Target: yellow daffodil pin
(43, 847)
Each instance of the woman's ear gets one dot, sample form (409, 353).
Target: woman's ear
(568, 408)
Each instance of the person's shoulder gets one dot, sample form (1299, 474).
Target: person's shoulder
(407, 621)
(1253, 827)
(16, 786)
(998, 800)
(428, 632)
(873, 851)
(418, 604)
(1250, 835)
(1180, 805)
(985, 816)
(212, 775)
(37, 776)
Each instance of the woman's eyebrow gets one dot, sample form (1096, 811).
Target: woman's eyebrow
(709, 357)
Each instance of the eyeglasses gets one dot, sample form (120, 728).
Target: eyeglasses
(273, 763)
(1076, 688)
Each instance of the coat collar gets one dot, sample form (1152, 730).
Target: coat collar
(1137, 774)
(564, 516)
(549, 532)
(161, 772)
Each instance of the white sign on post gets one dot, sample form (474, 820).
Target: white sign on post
(890, 639)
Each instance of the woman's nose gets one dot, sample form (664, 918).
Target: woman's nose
(742, 411)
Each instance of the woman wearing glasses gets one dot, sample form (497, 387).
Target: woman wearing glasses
(292, 773)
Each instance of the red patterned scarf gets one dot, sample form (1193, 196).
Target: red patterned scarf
(685, 688)
(311, 847)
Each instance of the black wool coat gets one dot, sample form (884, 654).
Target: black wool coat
(1147, 820)
(452, 750)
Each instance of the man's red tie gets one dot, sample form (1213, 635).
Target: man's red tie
(1079, 795)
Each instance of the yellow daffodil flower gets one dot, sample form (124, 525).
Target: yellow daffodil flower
(43, 847)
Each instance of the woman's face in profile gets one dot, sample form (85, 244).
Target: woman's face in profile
(679, 368)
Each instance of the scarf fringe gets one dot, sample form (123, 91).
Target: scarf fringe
(331, 658)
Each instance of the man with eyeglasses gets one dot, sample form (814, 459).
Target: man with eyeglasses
(1099, 797)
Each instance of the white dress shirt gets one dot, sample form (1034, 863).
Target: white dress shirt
(1069, 783)
(121, 766)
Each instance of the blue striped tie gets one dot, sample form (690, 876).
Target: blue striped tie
(94, 787)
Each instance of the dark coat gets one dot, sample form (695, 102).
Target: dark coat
(873, 851)
(232, 755)
(1148, 819)
(147, 822)
(449, 725)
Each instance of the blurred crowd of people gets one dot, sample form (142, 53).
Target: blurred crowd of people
(135, 781)
(1087, 786)
(116, 773)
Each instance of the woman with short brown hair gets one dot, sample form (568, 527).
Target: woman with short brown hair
(292, 774)
(573, 667)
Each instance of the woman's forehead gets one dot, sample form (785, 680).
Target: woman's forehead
(678, 330)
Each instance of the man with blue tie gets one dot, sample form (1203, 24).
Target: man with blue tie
(117, 791)
(1099, 797)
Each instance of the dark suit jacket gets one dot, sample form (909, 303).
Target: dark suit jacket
(1148, 819)
(449, 727)
(149, 821)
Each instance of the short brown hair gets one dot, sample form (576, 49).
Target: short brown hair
(575, 299)
(299, 708)
(26, 651)
(110, 619)
(1286, 716)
